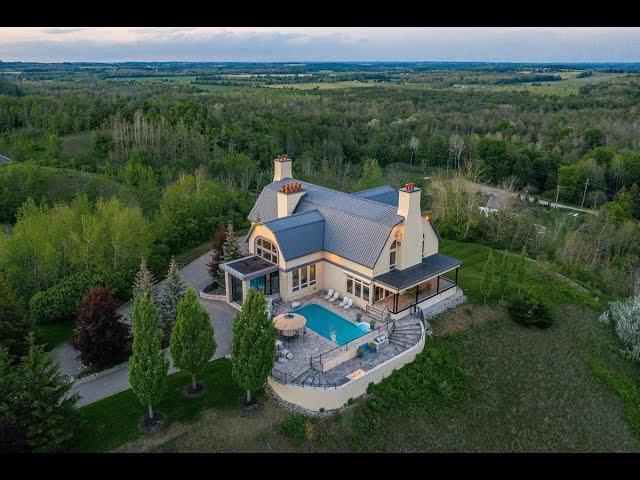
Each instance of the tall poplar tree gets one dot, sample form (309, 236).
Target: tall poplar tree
(147, 365)
(253, 345)
(192, 340)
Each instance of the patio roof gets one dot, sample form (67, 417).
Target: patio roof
(249, 267)
(430, 267)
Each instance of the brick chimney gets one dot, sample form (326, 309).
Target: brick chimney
(281, 168)
(289, 195)
(409, 208)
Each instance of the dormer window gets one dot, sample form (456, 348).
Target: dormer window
(393, 254)
(267, 250)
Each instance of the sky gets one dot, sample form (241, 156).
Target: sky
(284, 44)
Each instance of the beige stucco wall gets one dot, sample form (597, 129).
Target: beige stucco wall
(315, 398)
(431, 242)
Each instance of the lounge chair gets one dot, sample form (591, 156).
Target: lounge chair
(344, 301)
(335, 297)
(329, 294)
(347, 306)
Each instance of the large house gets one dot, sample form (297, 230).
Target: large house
(374, 246)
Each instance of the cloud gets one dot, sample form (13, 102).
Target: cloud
(321, 44)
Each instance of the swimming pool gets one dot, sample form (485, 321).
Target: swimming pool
(321, 321)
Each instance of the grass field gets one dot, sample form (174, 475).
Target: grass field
(325, 85)
(567, 86)
(114, 420)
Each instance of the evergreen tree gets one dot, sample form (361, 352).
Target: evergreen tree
(34, 401)
(100, 336)
(192, 340)
(14, 322)
(230, 250)
(173, 290)
(145, 284)
(216, 249)
(147, 365)
(253, 344)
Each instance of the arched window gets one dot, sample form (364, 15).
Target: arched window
(266, 250)
(393, 254)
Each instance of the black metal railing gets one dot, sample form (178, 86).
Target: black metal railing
(318, 360)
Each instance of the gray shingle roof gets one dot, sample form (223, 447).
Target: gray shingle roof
(298, 234)
(355, 228)
(384, 194)
(429, 267)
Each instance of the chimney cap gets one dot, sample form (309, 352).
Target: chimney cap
(283, 158)
(291, 187)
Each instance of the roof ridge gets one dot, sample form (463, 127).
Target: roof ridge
(352, 195)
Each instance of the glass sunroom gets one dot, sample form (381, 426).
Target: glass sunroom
(250, 272)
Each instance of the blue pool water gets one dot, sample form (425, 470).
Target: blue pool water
(320, 320)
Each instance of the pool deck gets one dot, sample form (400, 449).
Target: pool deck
(311, 344)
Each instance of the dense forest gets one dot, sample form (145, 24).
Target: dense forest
(110, 163)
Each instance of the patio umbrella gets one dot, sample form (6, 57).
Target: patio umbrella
(289, 323)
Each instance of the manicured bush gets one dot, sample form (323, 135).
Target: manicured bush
(102, 339)
(527, 309)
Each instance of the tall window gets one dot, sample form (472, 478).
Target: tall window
(393, 254)
(303, 277)
(266, 250)
(358, 288)
(423, 244)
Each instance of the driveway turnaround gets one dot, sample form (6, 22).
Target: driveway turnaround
(117, 380)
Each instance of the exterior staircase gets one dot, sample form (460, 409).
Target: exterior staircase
(406, 332)
(377, 313)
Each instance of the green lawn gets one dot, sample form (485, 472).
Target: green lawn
(55, 334)
(114, 420)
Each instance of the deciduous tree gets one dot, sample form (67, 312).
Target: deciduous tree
(192, 340)
(147, 365)
(253, 344)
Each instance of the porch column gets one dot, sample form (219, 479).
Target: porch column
(457, 275)
(438, 284)
(395, 302)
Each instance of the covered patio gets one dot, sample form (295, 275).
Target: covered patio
(402, 291)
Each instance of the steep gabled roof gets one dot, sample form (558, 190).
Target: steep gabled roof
(299, 234)
(355, 228)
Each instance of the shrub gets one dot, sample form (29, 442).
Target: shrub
(101, 337)
(293, 428)
(529, 310)
(625, 317)
(60, 303)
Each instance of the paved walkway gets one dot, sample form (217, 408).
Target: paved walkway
(222, 315)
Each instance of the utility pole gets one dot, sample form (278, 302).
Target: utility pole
(557, 195)
(595, 200)
(584, 195)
